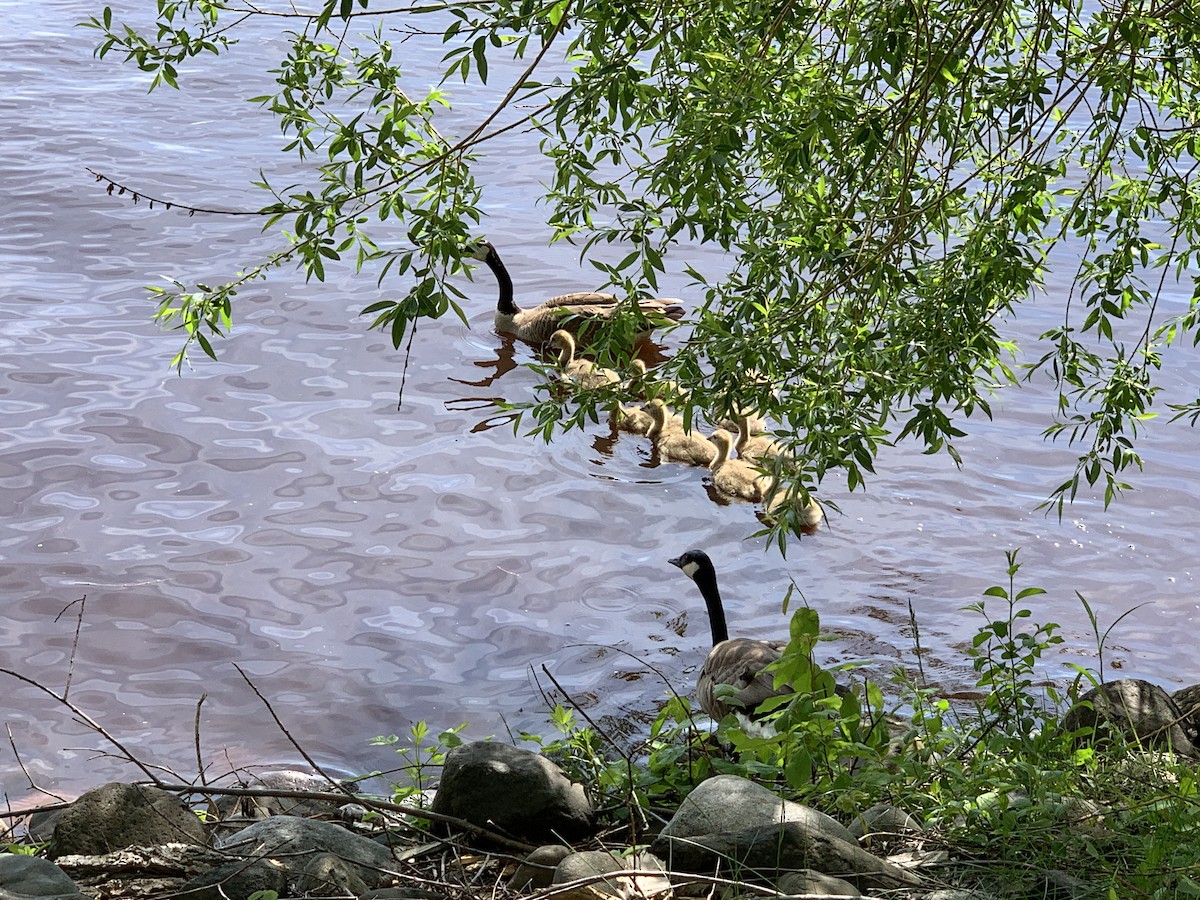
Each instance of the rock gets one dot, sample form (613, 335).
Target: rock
(1139, 709)
(1188, 701)
(733, 803)
(115, 816)
(236, 880)
(806, 881)
(28, 876)
(325, 875)
(770, 851)
(512, 790)
(883, 824)
(282, 780)
(537, 871)
(590, 863)
(293, 841)
(400, 893)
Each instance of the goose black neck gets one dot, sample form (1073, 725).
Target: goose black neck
(706, 580)
(505, 305)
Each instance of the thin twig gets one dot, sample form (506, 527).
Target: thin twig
(82, 601)
(20, 762)
(196, 738)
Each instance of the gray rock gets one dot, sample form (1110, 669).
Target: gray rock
(1188, 701)
(537, 871)
(236, 881)
(590, 863)
(733, 803)
(883, 824)
(1138, 709)
(29, 876)
(771, 851)
(401, 893)
(807, 881)
(281, 780)
(292, 841)
(512, 790)
(326, 875)
(115, 816)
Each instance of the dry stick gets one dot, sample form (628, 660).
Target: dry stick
(87, 720)
(196, 737)
(41, 790)
(82, 601)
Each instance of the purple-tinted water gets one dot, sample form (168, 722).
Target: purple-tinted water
(369, 566)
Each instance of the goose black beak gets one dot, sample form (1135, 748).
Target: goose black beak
(677, 562)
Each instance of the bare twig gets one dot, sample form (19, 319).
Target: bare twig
(196, 737)
(17, 753)
(169, 204)
(82, 601)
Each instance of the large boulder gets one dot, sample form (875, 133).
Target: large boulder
(292, 842)
(115, 816)
(767, 853)
(1138, 709)
(512, 790)
(733, 803)
(24, 876)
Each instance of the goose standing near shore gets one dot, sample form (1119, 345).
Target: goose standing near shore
(573, 312)
(740, 662)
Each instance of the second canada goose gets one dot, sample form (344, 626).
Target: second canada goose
(571, 311)
(740, 662)
(733, 476)
(584, 373)
(675, 443)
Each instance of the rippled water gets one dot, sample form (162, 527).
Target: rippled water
(367, 565)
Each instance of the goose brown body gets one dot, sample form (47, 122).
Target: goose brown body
(574, 312)
(740, 662)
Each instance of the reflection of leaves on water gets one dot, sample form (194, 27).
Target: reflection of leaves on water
(495, 422)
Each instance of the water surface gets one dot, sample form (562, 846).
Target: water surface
(367, 566)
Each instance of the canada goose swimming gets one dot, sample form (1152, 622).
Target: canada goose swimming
(740, 662)
(675, 443)
(584, 373)
(733, 476)
(754, 447)
(571, 311)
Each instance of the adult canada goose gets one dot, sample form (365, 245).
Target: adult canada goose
(571, 311)
(675, 443)
(733, 476)
(583, 372)
(740, 662)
